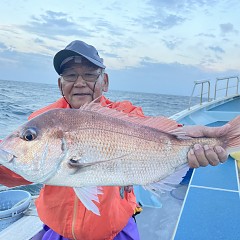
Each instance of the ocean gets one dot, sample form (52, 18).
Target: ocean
(19, 99)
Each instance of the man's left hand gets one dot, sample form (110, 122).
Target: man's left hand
(203, 155)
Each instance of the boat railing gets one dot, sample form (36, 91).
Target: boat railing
(228, 85)
(206, 93)
(231, 82)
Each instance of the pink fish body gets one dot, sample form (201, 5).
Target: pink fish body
(96, 146)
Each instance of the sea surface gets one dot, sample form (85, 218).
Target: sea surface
(19, 99)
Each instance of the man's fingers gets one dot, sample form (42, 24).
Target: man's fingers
(200, 155)
(205, 155)
(192, 160)
(221, 153)
(211, 155)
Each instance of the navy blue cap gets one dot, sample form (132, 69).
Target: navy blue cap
(77, 48)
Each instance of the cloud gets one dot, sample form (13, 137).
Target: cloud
(183, 5)
(227, 28)
(27, 67)
(3, 46)
(173, 78)
(39, 41)
(168, 22)
(55, 24)
(168, 14)
(216, 49)
(112, 29)
(164, 78)
(110, 55)
(163, 21)
(5, 29)
(173, 43)
(208, 35)
(52, 24)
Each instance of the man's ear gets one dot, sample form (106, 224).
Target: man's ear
(60, 84)
(105, 83)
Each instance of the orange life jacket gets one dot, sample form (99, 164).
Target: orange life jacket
(60, 209)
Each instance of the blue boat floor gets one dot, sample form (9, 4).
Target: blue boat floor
(212, 206)
(213, 197)
(210, 210)
(204, 206)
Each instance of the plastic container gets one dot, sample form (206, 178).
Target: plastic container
(13, 204)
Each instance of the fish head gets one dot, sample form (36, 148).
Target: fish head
(35, 150)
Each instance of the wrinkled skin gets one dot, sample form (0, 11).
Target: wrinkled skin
(201, 156)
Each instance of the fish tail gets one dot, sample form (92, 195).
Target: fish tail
(232, 137)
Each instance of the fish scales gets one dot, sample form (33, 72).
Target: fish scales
(116, 143)
(108, 150)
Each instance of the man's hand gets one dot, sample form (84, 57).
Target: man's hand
(204, 155)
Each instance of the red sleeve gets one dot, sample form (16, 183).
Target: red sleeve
(11, 179)
(124, 106)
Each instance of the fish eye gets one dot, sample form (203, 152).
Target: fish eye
(29, 134)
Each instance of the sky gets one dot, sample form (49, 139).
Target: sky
(155, 46)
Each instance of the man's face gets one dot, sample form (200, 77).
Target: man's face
(82, 83)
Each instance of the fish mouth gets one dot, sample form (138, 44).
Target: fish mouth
(6, 156)
(41, 173)
(7, 159)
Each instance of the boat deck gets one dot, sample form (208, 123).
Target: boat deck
(211, 208)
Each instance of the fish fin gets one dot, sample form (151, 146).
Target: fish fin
(87, 195)
(181, 135)
(170, 182)
(232, 137)
(161, 123)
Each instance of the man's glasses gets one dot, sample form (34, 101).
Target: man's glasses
(73, 76)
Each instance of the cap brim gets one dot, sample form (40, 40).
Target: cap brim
(63, 54)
